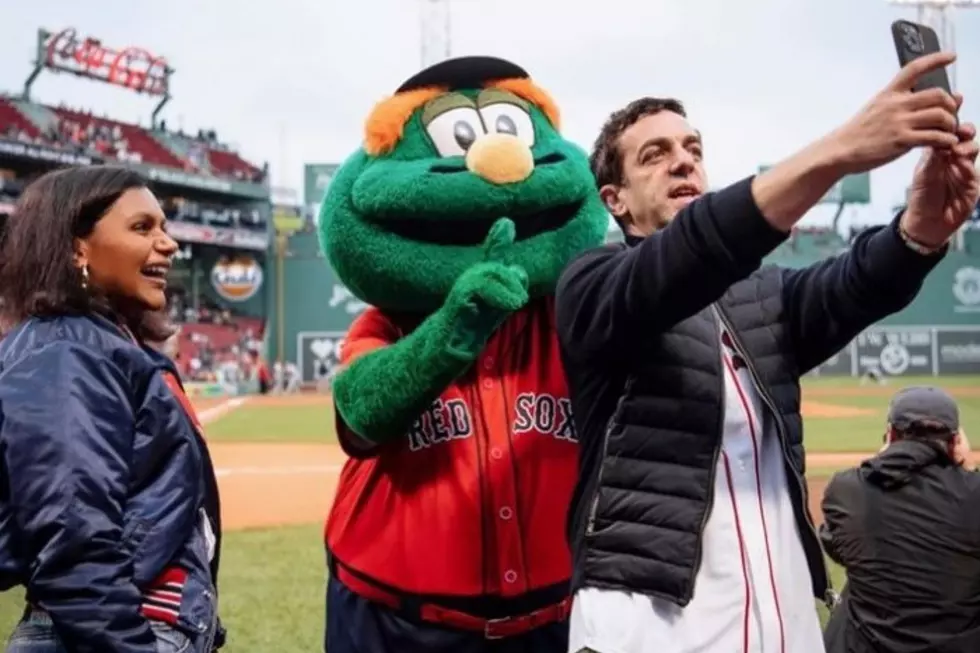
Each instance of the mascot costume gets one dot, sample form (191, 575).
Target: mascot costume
(453, 222)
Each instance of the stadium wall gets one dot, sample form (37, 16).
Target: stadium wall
(938, 334)
(315, 311)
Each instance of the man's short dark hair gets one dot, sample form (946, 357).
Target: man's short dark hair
(606, 159)
(925, 431)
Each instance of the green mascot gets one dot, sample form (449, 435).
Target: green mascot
(453, 222)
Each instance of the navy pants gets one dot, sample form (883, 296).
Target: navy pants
(356, 625)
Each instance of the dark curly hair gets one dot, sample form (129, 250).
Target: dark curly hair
(38, 277)
(606, 159)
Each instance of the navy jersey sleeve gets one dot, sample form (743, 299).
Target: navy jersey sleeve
(67, 439)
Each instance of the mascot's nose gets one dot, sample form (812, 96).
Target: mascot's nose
(500, 159)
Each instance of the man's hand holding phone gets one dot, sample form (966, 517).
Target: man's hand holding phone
(899, 119)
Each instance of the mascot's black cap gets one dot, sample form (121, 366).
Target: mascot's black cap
(464, 72)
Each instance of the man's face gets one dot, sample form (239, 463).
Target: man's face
(663, 172)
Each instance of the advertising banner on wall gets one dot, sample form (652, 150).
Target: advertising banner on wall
(318, 354)
(46, 154)
(958, 352)
(909, 351)
(221, 236)
(237, 279)
(966, 290)
(894, 352)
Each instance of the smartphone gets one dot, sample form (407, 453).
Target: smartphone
(912, 41)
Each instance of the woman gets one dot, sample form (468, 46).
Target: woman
(109, 509)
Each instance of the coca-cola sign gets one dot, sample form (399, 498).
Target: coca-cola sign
(132, 67)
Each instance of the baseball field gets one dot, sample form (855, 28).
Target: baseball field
(278, 461)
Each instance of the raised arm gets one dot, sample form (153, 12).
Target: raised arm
(613, 294)
(391, 380)
(67, 435)
(828, 304)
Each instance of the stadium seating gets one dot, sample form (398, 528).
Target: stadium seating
(11, 117)
(155, 148)
(220, 336)
(139, 141)
(230, 164)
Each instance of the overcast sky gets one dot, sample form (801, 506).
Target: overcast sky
(290, 81)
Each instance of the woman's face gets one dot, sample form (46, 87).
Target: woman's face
(128, 252)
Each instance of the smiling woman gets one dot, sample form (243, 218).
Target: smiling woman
(88, 240)
(98, 444)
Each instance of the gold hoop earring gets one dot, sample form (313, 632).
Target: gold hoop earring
(85, 277)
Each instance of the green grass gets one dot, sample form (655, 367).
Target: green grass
(272, 591)
(294, 424)
(838, 578)
(863, 433)
(272, 581)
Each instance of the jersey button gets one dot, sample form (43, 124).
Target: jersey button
(488, 384)
(496, 453)
(506, 512)
(488, 363)
(510, 576)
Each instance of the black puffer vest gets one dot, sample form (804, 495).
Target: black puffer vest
(647, 538)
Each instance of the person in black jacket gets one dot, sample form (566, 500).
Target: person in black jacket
(689, 527)
(905, 526)
(109, 507)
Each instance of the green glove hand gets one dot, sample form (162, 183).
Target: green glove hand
(487, 293)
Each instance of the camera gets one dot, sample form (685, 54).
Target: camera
(913, 39)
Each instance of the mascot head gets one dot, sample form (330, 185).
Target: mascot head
(459, 146)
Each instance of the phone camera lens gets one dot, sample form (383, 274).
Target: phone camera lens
(913, 40)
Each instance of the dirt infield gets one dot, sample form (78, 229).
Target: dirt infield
(269, 485)
(816, 487)
(265, 485)
(818, 409)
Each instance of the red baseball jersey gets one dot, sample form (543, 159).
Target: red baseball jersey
(472, 500)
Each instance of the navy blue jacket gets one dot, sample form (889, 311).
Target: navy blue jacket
(104, 484)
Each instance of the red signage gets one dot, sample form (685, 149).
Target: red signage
(131, 67)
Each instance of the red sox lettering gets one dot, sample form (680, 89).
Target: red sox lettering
(442, 422)
(450, 419)
(545, 414)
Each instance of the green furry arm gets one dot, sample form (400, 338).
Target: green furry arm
(382, 393)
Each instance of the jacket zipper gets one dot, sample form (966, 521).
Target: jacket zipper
(829, 594)
(709, 504)
(594, 508)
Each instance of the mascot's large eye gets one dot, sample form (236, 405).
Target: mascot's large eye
(454, 131)
(506, 118)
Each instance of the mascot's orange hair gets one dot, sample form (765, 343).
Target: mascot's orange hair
(386, 123)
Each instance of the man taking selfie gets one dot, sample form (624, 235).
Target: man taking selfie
(689, 526)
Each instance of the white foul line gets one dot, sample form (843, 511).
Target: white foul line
(299, 470)
(210, 414)
(225, 407)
